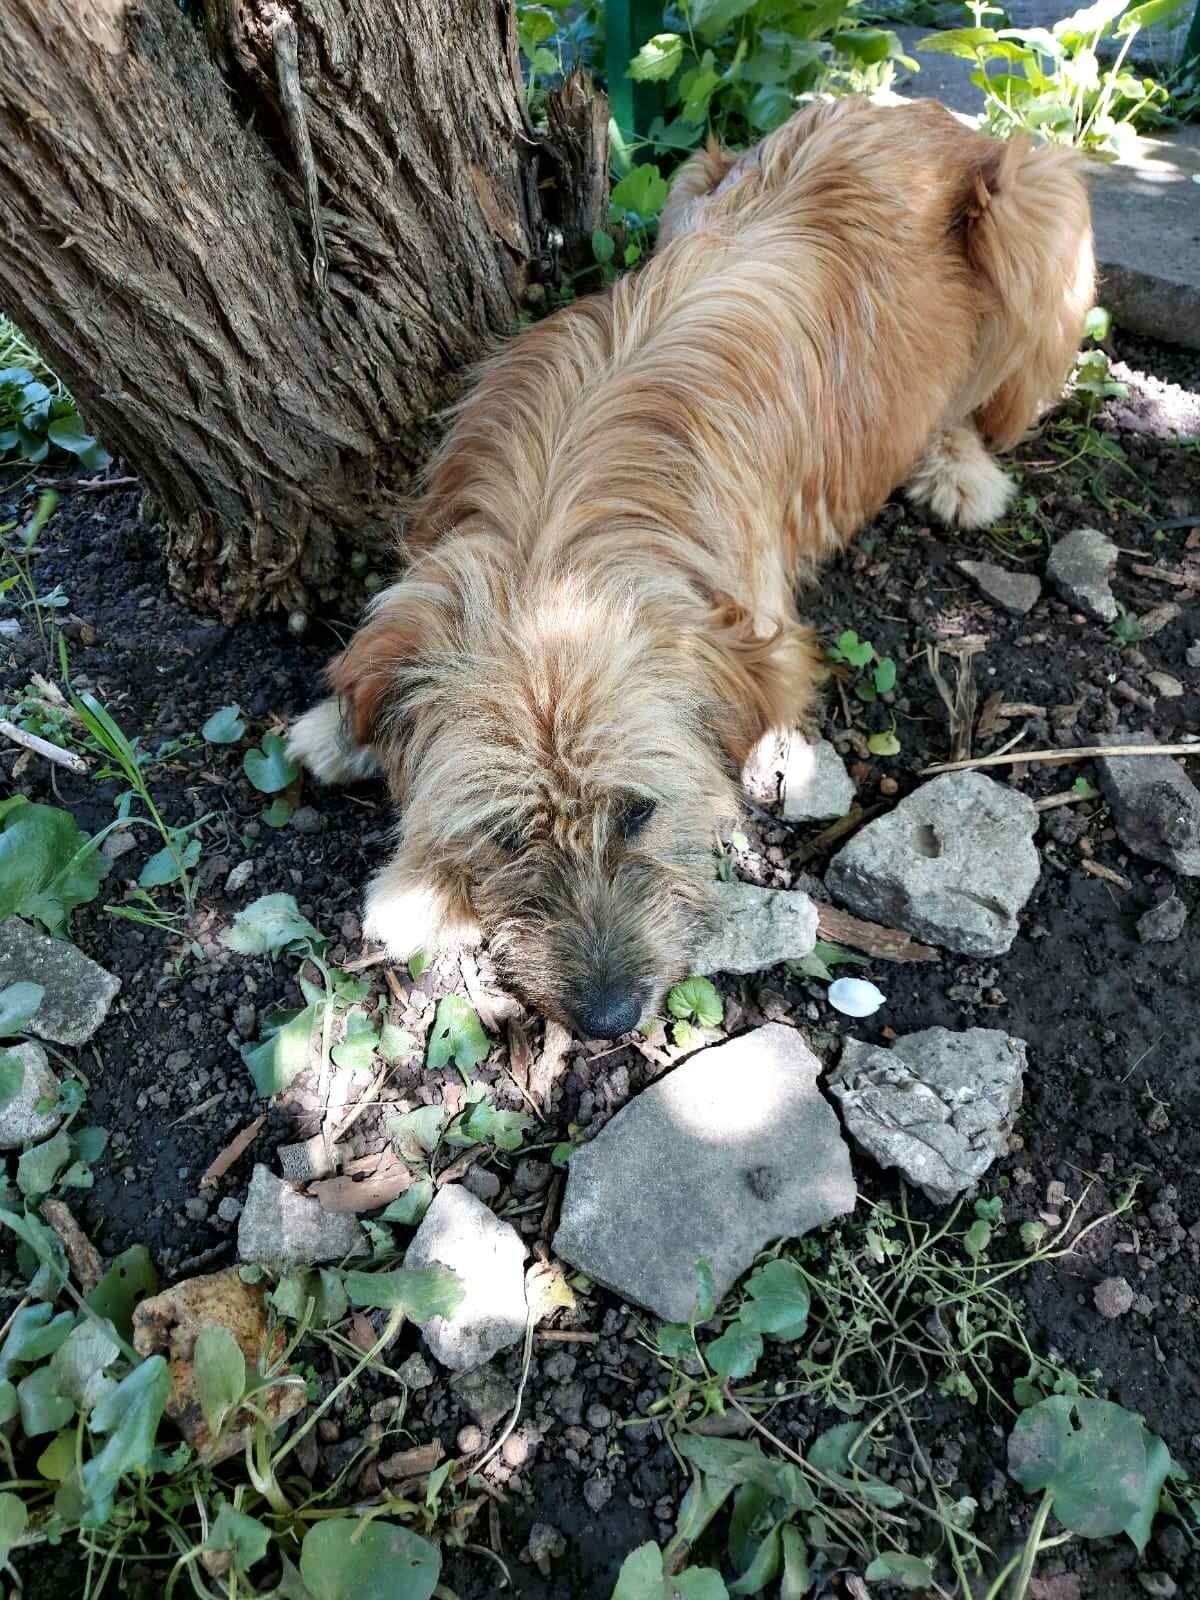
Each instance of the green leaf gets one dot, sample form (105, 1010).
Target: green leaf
(421, 1292)
(1098, 326)
(416, 1133)
(344, 1559)
(8, 1402)
(641, 1578)
(13, 1521)
(696, 998)
(779, 1301)
(964, 42)
(854, 651)
(1158, 1468)
(676, 1341)
(68, 434)
(770, 107)
(57, 1460)
(12, 1076)
(80, 1363)
(706, 1290)
(1032, 1234)
(712, 17)
(796, 1581)
(224, 726)
(763, 1569)
(602, 246)
(324, 1288)
(168, 864)
(32, 1336)
(269, 769)
(38, 1168)
(47, 866)
(269, 926)
(276, 1060)
(736, 1353)
(279, 813)
(658, 58)
(1090, 1453)
(18, 1003)
(243, 1536)
(456, 1036)
(884, 744)
(642, 190)
(1147, 15)
(704, 1498)
(884, 676)
(395, 1043)
(44, 1408)
(220, 1371)
(408, 1208)
(838, 1453)
(129, 1415)
(131, 1276)
(905, 1571)
(357, 1049)
(977, 1238)
(417, 964)
(743, 1461)
(867, 45)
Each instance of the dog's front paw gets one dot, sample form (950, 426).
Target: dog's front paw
(319, 742)
(405, 917)
(960, 483)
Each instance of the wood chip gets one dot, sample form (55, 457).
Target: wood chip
(1178, 580)
(1098, 870)
(84, 1259)
(42, 747)
(233, 1151)
(361, 1332)
(1152, 622)
(888, 944)
(414, 1463)
(351, 1192)
(550, 1065)
(520, 1055)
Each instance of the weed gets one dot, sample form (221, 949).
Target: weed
(37, 414)
(47, 866)
(16, 565)
(875, 675)
(1126, 630)
(694, 1004)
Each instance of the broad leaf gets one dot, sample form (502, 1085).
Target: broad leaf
(169, 864)
(81, 1362)
(737, 1461)
(357, 1049)
(220, 1371)
(243, 1536)
(796, 1580)
(658, 58)
(456, 1036)
(706, 1292)
(269, 769)
(13, 1521)
(47, 866)
(44, 1408)
(279, 813)
(57, 1460)
(901, 1570)
(67, 432)
(421, 1292)
(395, 1043)
(32, 1336)
(12, 1076)
(343, 1559)
(641, 1578)
(224, 726)
(324, 1288)
(38, 1168)
(18, 1003)
(129, 1415)
(736, 1353)
(698, 998)
(1158, 1469)
(276, 1060)
(416, 1133)
(408, 1208)
(269, 926)
(642, 191)
(8, 1402)
(1090, 1453)
(778, 1301)
(131, 1276)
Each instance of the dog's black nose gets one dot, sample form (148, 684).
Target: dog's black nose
(608, 1011)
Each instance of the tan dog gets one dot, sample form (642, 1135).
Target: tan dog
(597, 619)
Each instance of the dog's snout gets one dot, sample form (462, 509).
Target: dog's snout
(608, 1010)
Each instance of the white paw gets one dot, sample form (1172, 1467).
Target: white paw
(405, 917)
(960, 483)
(319, 741)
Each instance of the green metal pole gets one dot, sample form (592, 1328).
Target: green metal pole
(629, 24)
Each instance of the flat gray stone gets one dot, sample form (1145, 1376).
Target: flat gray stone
(458, 1231)
(78, 992)
(732, 1149)
(486, 1395)
(281, 1228)
(1080, 567)
(1163, 922)
(1016, 592)
(20, 1121)
(757, 928)
(953, 864)
(1155, 805)
(816, 786)
(938, 1105)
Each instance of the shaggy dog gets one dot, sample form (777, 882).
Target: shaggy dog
(596, 621)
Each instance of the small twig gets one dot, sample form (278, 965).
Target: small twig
(887, 944)
(1180, 580)
(43, 747)
(83, 1258)
(569, 1336)
(233, 1151)
(291, 99)
(369, 1099)
(85, 485)
(853, 820)
(1078, 753)
(1064, 797)
(375, 959)
(1099, 870)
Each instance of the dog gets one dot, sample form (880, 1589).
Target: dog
(596, 621)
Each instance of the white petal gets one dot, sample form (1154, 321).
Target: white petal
(855, 997)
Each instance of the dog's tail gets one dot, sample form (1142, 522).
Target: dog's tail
(1029, 237)
(700, 174)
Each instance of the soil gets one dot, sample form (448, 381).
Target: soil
(1113, 1090)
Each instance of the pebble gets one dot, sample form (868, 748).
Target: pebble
(1113, 1297)
(597, 1492)
(415, 1372)
(306, 820)
(230, 1209)
(598, 1417)
(470, 1439)
(514, 1452)
(239, 877)
(1163, 922)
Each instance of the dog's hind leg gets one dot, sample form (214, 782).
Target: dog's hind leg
(320, 740)
(959, 482)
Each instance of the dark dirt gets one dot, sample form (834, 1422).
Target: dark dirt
(1113, 1091)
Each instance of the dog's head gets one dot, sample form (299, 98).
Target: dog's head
(561, 768)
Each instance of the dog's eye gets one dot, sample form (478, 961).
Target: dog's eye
(635, 817)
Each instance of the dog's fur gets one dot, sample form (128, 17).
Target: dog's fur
(597, 613)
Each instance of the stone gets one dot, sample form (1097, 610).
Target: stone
(938, 1105)
(78, 992)
(1192, 655)
(239, 877)
(484, 1185)
(1163, 922)
(531, 1176)
(1155, 806)
(1113, 1297)
(732, 1149)
(597, 1491)
(306, 819)
(119, 843)
(544, 1546)
(281, 1228)
(486, 1395)
(1016, 592)
(458, 1231)
(229, 1209)
(1079, 567)
(816, 786)
(756, 929)
(416, 1372)
(566, 1401)
(1168, 686)
(20, 1120)
(952, 864)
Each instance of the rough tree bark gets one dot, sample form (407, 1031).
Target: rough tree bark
(259, 252)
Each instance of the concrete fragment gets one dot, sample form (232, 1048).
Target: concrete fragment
(78, 992)
(1015, 592)
(757, 928)
(1079, 567)
(20, 1120)
(1163, 922)
(732, 1149)
(458, 1231)
(281, 1228)
(1155, 805)
(816, 786)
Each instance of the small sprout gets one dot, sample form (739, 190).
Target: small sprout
(1085, 790)
(696, 1000)
(1032, 1234)
(855, 997)
(885, 743)
(224, 726)
(269, 769)
(1126, 630)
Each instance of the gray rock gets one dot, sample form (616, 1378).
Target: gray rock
(416, 1372)
(239, 877)
(1017, 592)
(1165, 684)
(1079, 568)
(20, 1121)
(282, 1229)
(118, 843)
(566, 1401)
(458, 1231)
(1192, 655)
(1113, 1297)
(531, 1175)
(484, 1185)
(1163, 922)
(730, 1150)
(597, 1491)
(306, 819)
(1155, 806)
(938, 1105)
(487, 1396)
(954, 864)
(816, 786)
(229, 1209)
(757, 928)
(78, 992)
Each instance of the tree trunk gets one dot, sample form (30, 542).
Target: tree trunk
(261, 253)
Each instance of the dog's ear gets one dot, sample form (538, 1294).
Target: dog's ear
(370, 675)
(752, 681)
